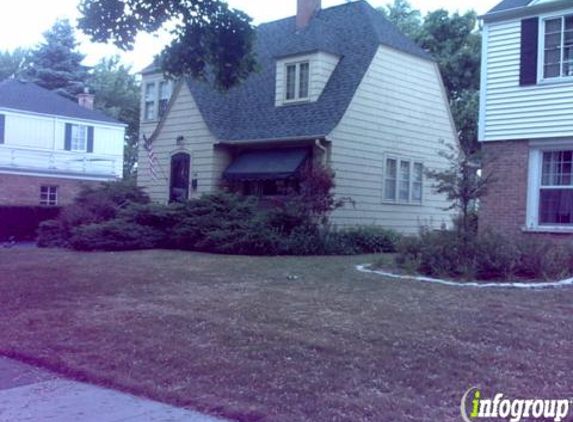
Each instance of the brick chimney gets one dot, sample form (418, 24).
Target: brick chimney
(306, 9)
(86, 99)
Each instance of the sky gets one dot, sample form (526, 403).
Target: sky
(22, 22)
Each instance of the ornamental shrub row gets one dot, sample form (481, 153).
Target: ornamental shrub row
(115, 219)
(488, 256)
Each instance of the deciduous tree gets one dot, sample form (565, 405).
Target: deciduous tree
(209, 38)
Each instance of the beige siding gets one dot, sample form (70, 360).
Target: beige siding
(399, 110)
(183, 119)
(510, 111)
(321, 67)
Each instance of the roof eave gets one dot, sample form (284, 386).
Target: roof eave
(520, 12)
(272, 140)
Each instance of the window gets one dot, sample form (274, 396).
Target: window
(79, 138)
(556, 191)
(150, 101)
(558, 47)
(49, 195)
(403, 181)
(164, 96)
(297, 81)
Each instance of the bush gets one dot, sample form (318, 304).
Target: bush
(21, 222)
(93, 204)
(115, 235)
(489, 256)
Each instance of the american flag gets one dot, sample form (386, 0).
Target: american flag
(151, 158)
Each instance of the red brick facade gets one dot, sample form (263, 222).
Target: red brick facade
(503, 209)
(25, 190)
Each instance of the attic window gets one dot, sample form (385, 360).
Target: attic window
(297, 81)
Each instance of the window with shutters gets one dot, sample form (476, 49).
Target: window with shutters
(403, 181)
(79, 138)
(557, 47)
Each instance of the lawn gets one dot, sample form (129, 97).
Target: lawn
(280, 339)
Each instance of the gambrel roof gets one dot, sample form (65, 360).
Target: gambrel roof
(352, 31)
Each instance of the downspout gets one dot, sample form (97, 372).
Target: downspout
(318, 144)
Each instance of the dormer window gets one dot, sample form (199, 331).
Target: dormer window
(297, 81)
(558, 47)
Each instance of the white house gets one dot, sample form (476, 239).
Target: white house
(526, 117)
(49, 145)
(340, 86)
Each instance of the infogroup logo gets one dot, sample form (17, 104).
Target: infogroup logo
(474, 407)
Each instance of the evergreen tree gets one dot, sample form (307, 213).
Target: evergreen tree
(13, 64)
(56, 64)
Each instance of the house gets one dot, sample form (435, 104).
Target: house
(526, 117)
(50, 145)
(340, 87)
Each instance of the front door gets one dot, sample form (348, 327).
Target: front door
(180, 169)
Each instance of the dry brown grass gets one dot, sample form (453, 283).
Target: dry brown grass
(234, 336)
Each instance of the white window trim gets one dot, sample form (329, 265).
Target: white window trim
(48, 203)
(412, 162)
(297, 98)
(85, 141)
(541, 50)
(534, 186)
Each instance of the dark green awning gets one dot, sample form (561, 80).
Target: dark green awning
(272, 164)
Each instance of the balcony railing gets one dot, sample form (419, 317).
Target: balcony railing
(64, 162)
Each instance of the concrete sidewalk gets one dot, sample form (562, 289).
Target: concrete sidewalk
(28, 394)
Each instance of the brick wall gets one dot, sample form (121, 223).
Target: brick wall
(503, 209)
(25, 190)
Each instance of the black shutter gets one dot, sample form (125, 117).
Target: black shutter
(529, 51)
(90, 139)
(2, 125)
(68, 139)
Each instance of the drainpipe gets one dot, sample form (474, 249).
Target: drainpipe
(324, 150)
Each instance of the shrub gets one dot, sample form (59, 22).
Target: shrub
(444, 253)
(115, 235)
(496, 257)
(50, 235)
(371, 239)
(93, 204)
(489, 256)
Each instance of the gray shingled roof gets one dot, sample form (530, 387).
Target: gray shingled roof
(509, 4)
(26, 96)
(353, 31)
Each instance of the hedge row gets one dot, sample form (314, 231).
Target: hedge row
(218, 223)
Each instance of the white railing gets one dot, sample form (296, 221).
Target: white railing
(60, 162)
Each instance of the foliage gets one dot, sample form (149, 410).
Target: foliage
(489, 256)
(115, 235)
(406, 19)
(117, 94)
(462, 185)
(56, 64)
(13, 64)
(312, 204)
(207, 34)
(93, 204)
